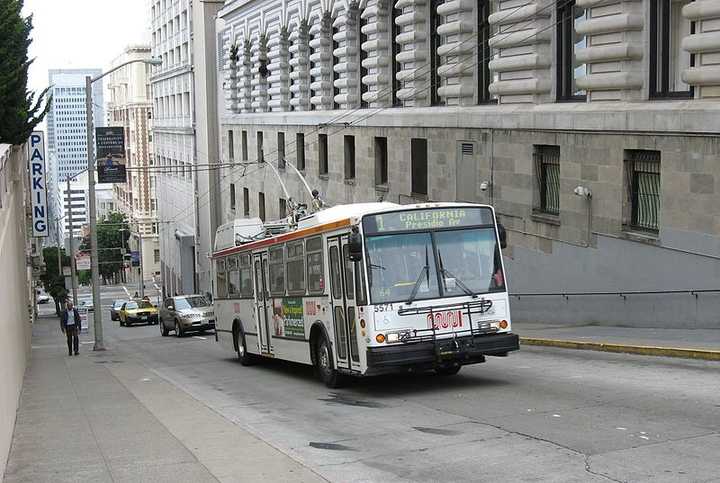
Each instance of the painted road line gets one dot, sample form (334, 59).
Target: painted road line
(126, 291)
(198, 337)
(708, 355)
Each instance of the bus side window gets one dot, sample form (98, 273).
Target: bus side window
(246, 282)
(277, 270)
(233, 276)
(315, 268)
(296, 268)
(221, 280)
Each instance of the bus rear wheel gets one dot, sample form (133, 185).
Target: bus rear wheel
(245, 358)
(325, 366)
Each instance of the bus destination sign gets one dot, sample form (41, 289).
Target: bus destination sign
(429, 219)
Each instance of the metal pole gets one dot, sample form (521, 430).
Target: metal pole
(59, 255)
(142, 276)
(71, 246)
(97, 313)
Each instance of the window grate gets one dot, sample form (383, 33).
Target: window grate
(468, 149)
(547, 172)
(643, 174)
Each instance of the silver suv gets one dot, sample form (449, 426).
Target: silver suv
(186, 313)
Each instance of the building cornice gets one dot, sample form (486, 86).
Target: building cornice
(682, 117)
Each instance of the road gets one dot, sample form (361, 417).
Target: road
(541, 414)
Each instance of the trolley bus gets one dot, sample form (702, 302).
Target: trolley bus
(365, 289)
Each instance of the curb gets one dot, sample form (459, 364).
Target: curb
(707, 355)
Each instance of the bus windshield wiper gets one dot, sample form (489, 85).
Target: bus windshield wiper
(425, 271)
(446, 274)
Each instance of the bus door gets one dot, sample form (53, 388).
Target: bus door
(342, 292)
(262, 301)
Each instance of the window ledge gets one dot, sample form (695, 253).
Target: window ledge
(350, 181)
(382, 187)
(545, 218)
(634, 234)
(324, 177)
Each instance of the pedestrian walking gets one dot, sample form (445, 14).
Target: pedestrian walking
(70, 326)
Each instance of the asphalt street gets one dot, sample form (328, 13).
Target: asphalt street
(540, 414)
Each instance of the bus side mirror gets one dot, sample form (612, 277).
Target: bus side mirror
(502, 234)
(355, 247)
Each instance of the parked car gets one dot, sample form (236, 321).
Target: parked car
(43, 299)
(186, 313)
(136, 312)
(86, 302)
(115, 309)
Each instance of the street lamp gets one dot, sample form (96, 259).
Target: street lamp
(95, 270)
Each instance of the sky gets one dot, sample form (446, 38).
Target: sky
(82, 33)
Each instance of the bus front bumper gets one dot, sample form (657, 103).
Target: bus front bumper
(469, 349)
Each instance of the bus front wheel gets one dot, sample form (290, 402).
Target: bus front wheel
(325, 366)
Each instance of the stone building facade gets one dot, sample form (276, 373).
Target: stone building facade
(592, 126)
(131, 107)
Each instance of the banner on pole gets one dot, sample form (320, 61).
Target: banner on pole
(135, 257)
(110, 149)
(82, 261)
(38, 186)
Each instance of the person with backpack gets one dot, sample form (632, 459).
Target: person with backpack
(70, 326)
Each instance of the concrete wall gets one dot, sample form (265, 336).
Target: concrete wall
(546, 253)
(15, 321)
(588, 245)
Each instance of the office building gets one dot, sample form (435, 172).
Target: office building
(130, 106)
(185, 139)
(590, 126)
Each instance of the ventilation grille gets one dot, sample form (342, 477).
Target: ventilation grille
(468, 149)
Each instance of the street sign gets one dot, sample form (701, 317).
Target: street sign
(38, 188)
(110, 148)
(82, 261)
(67, 271)
(135, 256)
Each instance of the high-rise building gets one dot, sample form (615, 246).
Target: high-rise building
(130, 106)
(591, 126)
(66, 129)
(66, 120)
(185, 139)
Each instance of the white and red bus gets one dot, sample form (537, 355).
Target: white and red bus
(366, 289)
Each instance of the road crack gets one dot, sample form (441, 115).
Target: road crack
(588, 469)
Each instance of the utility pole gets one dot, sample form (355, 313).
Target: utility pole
(71, 246)
(94, 267)
(97, 314)
(59, 254)
(140, 249)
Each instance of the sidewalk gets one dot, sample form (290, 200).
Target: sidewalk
(104, 417)
(692, 344)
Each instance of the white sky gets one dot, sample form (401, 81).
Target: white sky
(82, 33)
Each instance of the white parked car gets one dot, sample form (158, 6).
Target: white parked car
(87, 303)
(43, 299)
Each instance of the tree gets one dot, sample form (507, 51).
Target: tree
(53, 283)
(20, 112)
(113, 233)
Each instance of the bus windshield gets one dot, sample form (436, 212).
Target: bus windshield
(413, 266)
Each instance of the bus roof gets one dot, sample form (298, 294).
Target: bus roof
(328, 219)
